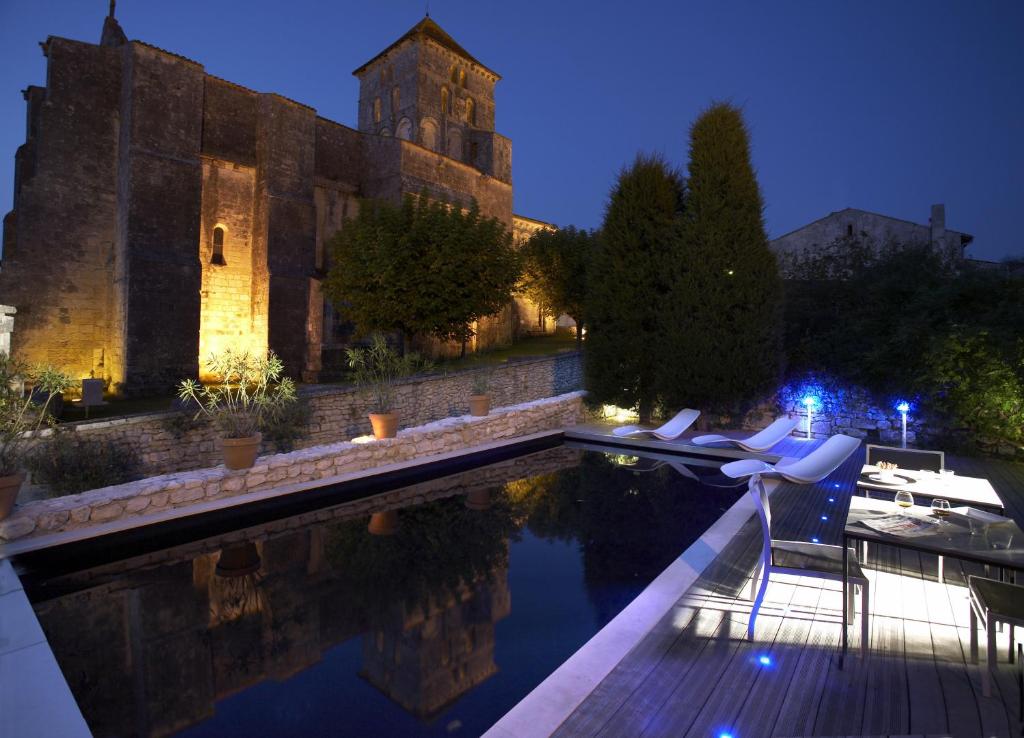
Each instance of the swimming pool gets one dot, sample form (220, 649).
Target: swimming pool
(426, 610)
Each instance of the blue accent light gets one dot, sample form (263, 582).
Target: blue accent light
(824, 517)
(815, 540)
(903, 406)
(831, 499)
(725, 735)
(836, 485)
(764, 660)
(810, 400)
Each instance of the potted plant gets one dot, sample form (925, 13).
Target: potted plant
(480, 401)
(377, 368)
(19, 416)
(250, 392)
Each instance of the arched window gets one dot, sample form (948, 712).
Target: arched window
(470, 111)
(428, 134)
(396, 98)
(376, 110)
(446, 101)
(453, 74)
(218, 246)
(404, 130)
(462, 78)
(455, 144)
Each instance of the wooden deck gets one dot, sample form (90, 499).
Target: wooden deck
(695, 674)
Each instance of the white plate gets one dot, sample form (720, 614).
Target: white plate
(896, 479)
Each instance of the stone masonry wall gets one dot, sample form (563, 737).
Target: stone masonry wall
(158, 494)
(339, 413)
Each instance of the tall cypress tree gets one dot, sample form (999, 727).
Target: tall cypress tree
(725, 302)
(628, 284)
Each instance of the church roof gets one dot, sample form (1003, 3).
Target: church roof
(427, 28)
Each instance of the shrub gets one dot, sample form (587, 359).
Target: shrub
(67, 464)
(250, 393)
(20, 414)
(378, 368)
(724, 306)
(628, 284)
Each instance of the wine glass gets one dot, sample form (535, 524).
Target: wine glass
(940, 507)
(904, 499)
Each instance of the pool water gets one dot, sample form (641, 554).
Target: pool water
(430, 610)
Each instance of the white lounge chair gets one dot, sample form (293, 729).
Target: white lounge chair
(667, 432)
(814, 467)
(760, 441)
(798, 557)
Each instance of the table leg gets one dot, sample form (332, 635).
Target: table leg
(846, 584)
(941, 562)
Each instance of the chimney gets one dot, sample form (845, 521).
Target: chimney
(938, 224)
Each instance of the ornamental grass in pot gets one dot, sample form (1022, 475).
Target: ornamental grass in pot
(250, 392)
(377, 369)
(480, 400)
(20, 415)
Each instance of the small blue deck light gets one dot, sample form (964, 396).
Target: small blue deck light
(764, 660)
(815, 540)
(831, 499)
(725, 734)
(836, 485)
(824, 517)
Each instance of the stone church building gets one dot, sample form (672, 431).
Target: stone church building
(161, 213)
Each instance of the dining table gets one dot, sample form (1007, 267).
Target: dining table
(965, 533)
(973, 491)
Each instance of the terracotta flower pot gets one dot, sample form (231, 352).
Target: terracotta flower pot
(385, 425)
(478, 499)
(9, 488)
(479, 405)
(383, 523)
(238, 560)
(240, 453)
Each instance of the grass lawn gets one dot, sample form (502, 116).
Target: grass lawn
(116, 408)
(532, 346)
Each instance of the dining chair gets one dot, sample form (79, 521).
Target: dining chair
(993, 602)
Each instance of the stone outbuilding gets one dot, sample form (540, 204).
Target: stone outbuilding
(879, 231)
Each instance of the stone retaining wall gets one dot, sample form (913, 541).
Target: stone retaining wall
(167, 442)
(181, 489)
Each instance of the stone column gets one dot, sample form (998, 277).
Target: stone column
(6, 327)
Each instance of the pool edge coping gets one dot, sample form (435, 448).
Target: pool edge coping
(541, 712)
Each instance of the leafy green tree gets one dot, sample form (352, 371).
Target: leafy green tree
(422, 267)
(628, 285)
(479, 268)
(724, 302)
(555, 267)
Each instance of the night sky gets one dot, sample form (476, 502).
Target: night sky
(884, 106)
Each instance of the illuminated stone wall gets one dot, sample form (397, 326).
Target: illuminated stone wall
(529, 317)
(230, 317)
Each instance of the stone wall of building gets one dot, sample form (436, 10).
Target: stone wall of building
(228, 318)
(870, 229)
(59, 241)
(168, 442)
(313, 464)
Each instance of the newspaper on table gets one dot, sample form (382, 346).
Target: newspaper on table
(907, 526)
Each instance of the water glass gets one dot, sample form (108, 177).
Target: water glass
(904, 499)
(940, 507)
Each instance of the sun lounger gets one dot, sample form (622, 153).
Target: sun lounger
(814, 467)
(667, 432)
(761, 441)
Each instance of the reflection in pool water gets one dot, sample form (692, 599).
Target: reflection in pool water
(429, 610)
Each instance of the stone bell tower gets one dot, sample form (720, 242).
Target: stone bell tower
(427, 89)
